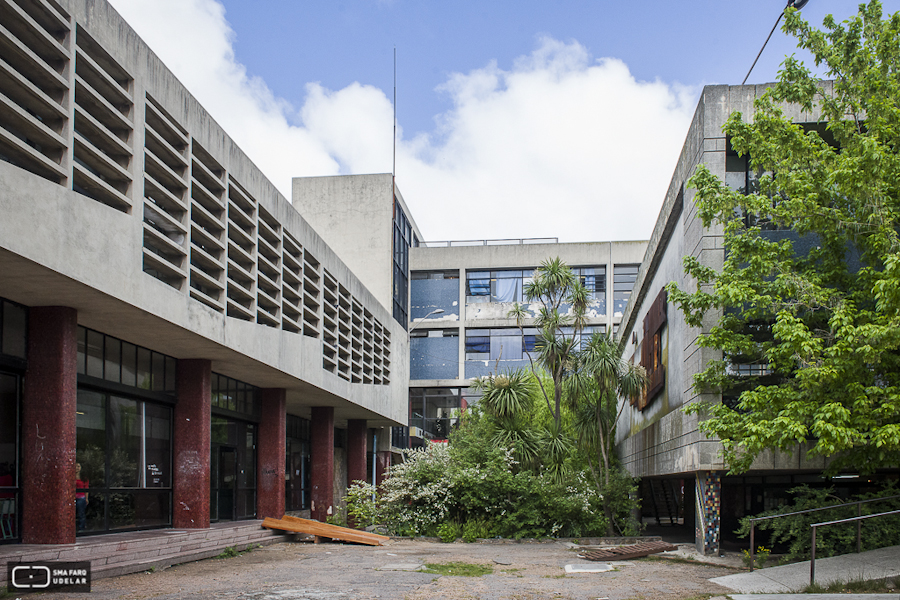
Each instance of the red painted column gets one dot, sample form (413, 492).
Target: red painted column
(356, 450)
(270, 454)
(191, 444)
(321, 478)
(48, 426)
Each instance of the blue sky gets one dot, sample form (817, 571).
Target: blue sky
(513, 116)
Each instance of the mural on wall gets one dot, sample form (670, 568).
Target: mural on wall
(654, 355)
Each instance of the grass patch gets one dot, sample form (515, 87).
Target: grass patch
(875, 586)
(458, 569)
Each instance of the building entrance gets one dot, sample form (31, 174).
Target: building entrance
(9, 457)
(225, 472)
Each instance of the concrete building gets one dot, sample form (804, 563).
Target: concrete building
(683, 476)
(460, 294)
(168, 320)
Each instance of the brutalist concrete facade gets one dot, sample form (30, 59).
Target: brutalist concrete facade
(660, 443)
(126, 207)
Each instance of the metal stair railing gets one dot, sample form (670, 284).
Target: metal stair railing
(858, 504)
(859, 520)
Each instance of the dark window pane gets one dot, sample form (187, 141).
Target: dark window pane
(159, 372)
(125, 432)
(171, 366)
(112, 370)
(82, 349)
(95, 354)
(14, 327)
(90, 437)
(129, 364)
(143, 369)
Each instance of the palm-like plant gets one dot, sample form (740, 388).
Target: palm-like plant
(563, 304)
(600, 378)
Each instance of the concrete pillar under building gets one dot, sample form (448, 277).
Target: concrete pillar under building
(708, 521)
(191, 444)
(382, 454)
(357, 440)
(50, 397)
(321, 477)
(270, 454)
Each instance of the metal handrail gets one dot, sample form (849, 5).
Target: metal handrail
(858, 503)
(859, 520)
(489, 242)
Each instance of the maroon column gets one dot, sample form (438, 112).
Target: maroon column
(356, 450)
(270, 454)
(382, 464)
(321, 478)
(48, 427)
(191, 444)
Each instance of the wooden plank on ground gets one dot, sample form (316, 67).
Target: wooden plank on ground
(627, 552)
(320, 529)
(383, 538)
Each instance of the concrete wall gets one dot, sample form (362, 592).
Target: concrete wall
(59, 247)
(661, 440)
(354, 215)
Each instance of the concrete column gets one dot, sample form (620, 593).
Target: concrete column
(48, 426)
(357, 439)
(191, 444)
(270, 454)
(321, 477)
(382, 455)
(707, 527)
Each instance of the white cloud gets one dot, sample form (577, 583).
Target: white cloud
(560, 145)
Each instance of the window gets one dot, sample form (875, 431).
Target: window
(433, 412)
(104, 357)
(123, 447)
(13, 328)
(434, 354)
(624, 277)
(402, 240)
(496, 286)
(233, 395)
(434, 295)
(594, 281)
(499, 344)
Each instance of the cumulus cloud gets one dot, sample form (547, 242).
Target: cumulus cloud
(559, 145)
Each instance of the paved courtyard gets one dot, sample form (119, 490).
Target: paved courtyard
(302, 570)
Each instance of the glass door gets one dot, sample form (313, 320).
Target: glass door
(9, 457)
(225, 483)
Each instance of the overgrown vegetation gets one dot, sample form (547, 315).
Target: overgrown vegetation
(535, 457)
(833, 540)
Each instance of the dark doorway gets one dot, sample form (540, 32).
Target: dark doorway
(224, 483)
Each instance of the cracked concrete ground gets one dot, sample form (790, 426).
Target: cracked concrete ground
(305, 571)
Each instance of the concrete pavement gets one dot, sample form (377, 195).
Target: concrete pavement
(873, 564)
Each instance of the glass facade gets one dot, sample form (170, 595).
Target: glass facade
(123, 451)
(232, 476)
(103, 357)
(624, 277)
(431, 291)
(13, 348)
(433, 412)
(594, 281)
(403, 238)
(496, 286)
(434, 354)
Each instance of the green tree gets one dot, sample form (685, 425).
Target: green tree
(809, 292)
